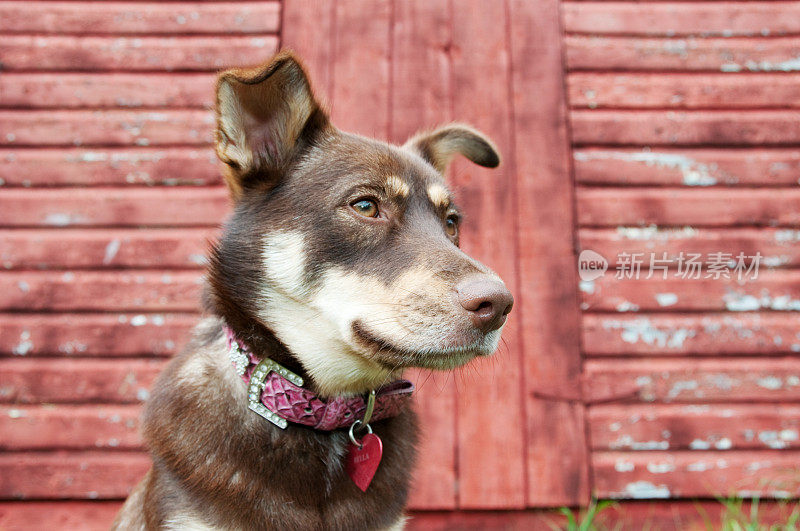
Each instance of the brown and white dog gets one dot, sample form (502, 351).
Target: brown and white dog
(340, 263)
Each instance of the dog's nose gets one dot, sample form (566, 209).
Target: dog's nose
(486, 300)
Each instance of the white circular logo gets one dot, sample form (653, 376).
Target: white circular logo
(591, 265)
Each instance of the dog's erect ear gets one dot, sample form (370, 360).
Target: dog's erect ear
(439, 146)
(265, 115)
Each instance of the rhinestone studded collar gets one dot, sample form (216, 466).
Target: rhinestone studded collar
(277, 394)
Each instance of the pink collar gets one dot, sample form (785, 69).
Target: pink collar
(278, 395)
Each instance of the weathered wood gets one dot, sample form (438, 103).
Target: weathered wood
(686, 207)
(684, 91)
(673, 128)
(695, 474)
(63, 475)
(84, 515)
(700, 380)
(687, 167)
(122, 18)
(91, 91)
(514, 519)
(421, 40)
(435, 483)
(63, 381)
(81, 335)
(672, 514)
(546, 311)
(151, 54)
(100, 291)
(66, 427)
(113, 207)
(772, 290)
(308, 28)
(107, 128)
(104, 248)
(104, 166)
(420, 35)
(694, 427)
(691, 54)
(480, 98)
(778, 247)
(690, 334)
(625, 514)
(669, 19)
(362, 68)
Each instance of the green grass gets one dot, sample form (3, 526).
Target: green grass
(737, 514)
(736, 517)
(584, 519)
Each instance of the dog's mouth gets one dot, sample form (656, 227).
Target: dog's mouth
(393, 357)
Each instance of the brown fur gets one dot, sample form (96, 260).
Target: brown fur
(291, 173)
(216, 461)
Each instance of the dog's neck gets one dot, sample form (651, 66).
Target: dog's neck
(258, 338)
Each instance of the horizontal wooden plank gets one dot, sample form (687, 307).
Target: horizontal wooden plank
(177, 291)
(65, 53)
(687, 167)
(91, 91)
(693, 381)
(684, 91)
(604, 207)
(123, 18)
(96, 475)
(118, 207)
(695, 474)
(662, 515)
(103, 166)
(83, 515)
(63, 475)
(688, 335)
(778, 247)
(672, 514)
(674, 128)
(81, 335)
(68, 427)
(690, 54)
(105, 128)
(694, 427)
(76, 381)
(669, 19)
(104, 248)
(777, 290)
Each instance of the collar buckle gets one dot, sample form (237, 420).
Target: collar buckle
(257, 384)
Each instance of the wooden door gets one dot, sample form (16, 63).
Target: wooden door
(491, 438)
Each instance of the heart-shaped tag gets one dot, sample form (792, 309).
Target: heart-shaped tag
(362, 463)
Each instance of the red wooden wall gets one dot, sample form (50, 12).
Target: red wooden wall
(624, 127)
(684, 133)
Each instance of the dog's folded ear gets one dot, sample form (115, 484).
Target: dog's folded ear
(265, 116)
(438, 147)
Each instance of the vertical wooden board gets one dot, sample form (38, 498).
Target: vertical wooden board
(420, 41)
(435, 483)
(557, 461)
(361, 71)
(491, 443)
(307, 28)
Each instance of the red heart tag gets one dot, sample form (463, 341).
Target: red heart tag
(362, 463)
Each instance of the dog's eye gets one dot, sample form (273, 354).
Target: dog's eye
(366, 207)
(451, 225)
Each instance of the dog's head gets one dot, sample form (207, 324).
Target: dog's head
(346, 248)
